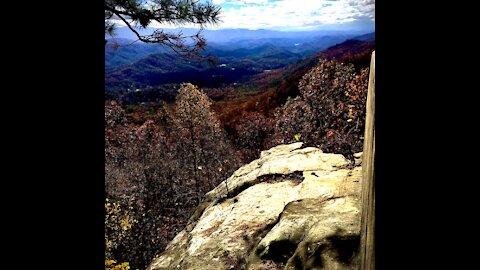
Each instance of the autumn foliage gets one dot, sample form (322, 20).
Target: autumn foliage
(161, 160)
(157, 173)
(329, 112)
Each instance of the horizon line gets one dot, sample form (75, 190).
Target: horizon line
(259, 29)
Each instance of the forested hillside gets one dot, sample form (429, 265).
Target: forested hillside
(132, 67)
(164, 152)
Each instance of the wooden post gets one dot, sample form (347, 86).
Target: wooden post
(367, 231)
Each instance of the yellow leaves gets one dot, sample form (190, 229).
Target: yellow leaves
(127, 223)
(350, 113)
(297, 137)
(110, 262)
(112, 209)
(123, 266)
(119, 220)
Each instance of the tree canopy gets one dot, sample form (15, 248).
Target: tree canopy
(138, 14)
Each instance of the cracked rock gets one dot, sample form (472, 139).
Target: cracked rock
(307, 223)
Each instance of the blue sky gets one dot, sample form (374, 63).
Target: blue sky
(293, 15)
(297, 14)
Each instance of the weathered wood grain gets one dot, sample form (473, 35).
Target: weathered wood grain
(367, 244)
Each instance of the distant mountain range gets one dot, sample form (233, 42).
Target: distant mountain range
(366, 37)
(231, 66)
(141, 65)
(302, 43)
(271, 90)
(234, 35)
(126, 54)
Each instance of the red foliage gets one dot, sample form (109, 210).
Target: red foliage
(253, 132)
(271, 90)
(330, 111)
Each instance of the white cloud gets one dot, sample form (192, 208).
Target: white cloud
(297, 14)
(290, 14)
(241, 2)
(255, 1)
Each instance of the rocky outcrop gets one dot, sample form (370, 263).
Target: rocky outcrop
(293, 208)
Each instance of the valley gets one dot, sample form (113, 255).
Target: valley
(242, 80)
(176, 128)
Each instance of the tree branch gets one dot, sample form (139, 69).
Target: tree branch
(176, 12)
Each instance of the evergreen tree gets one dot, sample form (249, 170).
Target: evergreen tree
(139, 14)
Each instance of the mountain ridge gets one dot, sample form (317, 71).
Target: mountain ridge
(232, 34)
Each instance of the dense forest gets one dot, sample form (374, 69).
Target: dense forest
(169, 143)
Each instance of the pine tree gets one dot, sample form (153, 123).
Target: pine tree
(139, 14)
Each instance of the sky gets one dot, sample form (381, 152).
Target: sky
(294, 15)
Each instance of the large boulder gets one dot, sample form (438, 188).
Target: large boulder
(293, 208)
